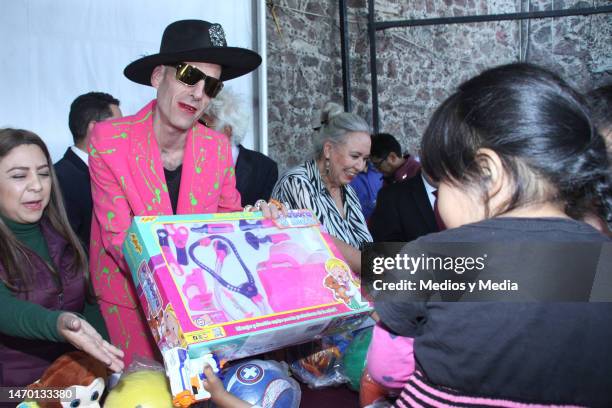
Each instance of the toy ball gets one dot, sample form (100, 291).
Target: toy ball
(263, 383)
(354, 359)
(142, 389)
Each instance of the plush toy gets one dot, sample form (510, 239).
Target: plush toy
(80, 374)
(143, 389)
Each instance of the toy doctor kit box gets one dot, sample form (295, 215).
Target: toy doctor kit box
(236, 284)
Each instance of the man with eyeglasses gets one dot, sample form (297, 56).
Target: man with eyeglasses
(386, 156)
(160, 161)
(406, 208)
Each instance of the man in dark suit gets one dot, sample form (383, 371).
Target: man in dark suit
(72, 170)
(386, 156)
(256, 173)
(404, 211)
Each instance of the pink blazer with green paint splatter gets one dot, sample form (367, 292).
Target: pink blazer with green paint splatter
(127, 179)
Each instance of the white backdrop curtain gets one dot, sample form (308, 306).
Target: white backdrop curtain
(54, 50)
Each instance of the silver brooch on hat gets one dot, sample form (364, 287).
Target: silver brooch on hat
(217, 36)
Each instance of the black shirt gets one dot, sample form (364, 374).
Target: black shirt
(545, 352)
(173, 181)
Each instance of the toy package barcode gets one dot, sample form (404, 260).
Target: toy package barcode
(237, 285)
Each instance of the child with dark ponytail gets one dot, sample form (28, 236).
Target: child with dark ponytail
(518, 160)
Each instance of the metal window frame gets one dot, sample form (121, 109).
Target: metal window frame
(374, 26)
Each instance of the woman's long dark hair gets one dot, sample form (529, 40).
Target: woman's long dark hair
(540, 128)
(13, 255)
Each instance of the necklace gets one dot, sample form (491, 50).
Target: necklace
(337, 196)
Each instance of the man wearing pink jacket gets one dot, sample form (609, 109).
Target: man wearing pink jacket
(160, 161)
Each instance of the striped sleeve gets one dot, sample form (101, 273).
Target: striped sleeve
(296, 191)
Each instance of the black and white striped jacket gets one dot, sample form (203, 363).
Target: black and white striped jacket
(302, 187)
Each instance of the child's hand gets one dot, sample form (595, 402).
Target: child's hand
(219, 395)
(212, 383)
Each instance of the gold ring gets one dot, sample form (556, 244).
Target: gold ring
(276, 203)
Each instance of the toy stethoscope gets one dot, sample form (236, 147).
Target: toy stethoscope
(179, 236)
(173, 263)
(221, 244)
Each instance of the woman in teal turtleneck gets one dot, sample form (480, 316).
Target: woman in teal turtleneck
(43, 269)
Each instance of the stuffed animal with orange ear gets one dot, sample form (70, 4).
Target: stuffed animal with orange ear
(338, 289)
(80, 372)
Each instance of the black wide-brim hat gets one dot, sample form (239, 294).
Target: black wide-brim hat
(195, 41)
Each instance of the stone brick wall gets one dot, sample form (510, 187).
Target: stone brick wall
(417, 66)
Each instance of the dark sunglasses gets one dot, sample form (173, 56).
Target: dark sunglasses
(190, 76)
